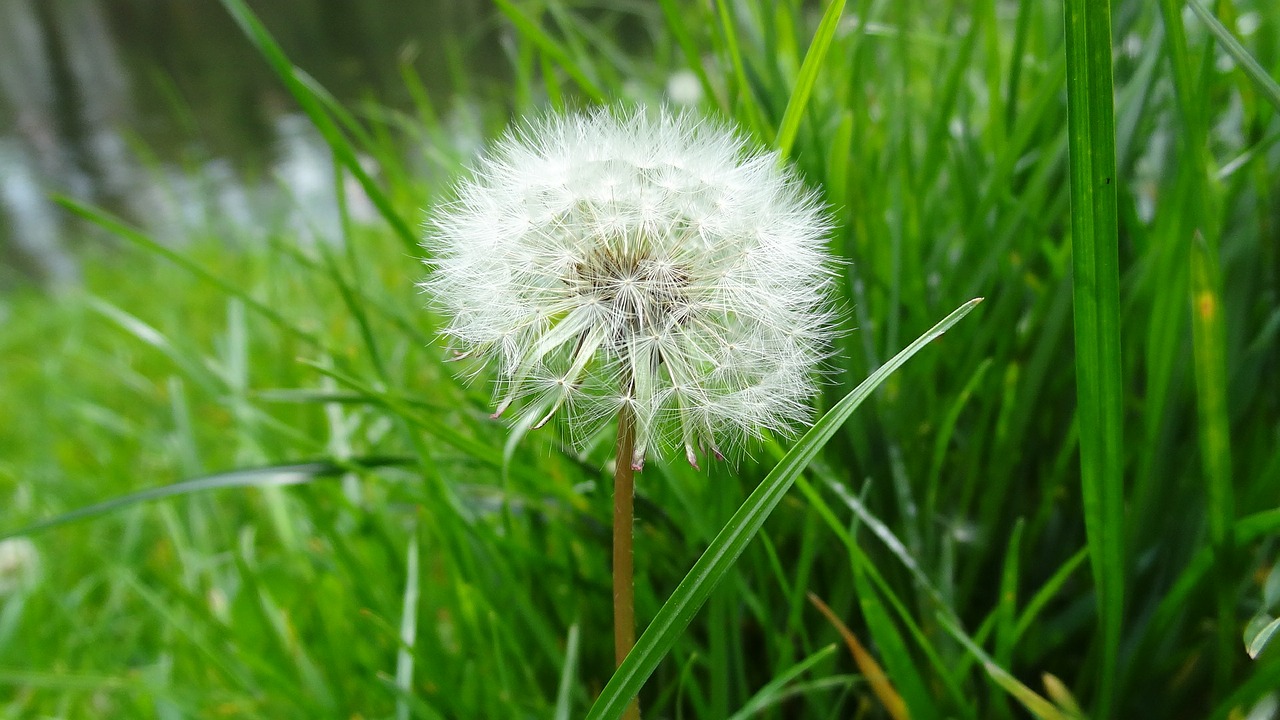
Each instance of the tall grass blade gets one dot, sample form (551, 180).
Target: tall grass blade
(679, 26)
(1209, 342)
(1207, 335)
(904, 669)
(813, 60)
(676, 614)
(870, 587)
(1096, 295)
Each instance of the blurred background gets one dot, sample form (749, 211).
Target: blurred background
(164, 113)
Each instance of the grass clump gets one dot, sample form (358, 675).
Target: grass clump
(432, 564)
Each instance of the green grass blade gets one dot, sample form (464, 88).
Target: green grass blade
(813, 59)
(1007, 607)
(1096, 280)
(905, 675)
(1174, 602)
(775, 690)
(1047, 592)
(357, 310)
(886, 536)
(193, 367)
(1258, 634)
(564, 701)
(1263, 682)
(343, 151)
(1032, 701)
(742, 101)
(1266, 84)
(676, 614)
(408, 628)
(679, 26)
(63, 681)
(841, 150)
(260, 477)
(436, 427)
(119, 228)
(1209, 342)
(552, 49)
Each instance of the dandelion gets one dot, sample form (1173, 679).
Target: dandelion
(649, 267)
(19, 564)
(684, 88)
(604, 261)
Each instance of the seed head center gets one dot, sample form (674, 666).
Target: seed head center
(642, 292)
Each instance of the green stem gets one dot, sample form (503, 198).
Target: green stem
(624, 604)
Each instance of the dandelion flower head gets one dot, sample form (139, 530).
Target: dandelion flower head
(616, 260)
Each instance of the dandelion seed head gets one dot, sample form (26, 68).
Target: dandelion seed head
(19, 564)
(652, 261)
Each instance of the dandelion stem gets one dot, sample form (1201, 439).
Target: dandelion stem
(624, 604)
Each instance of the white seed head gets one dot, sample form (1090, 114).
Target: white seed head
(683, 88)
(19, 564)
(612, 259)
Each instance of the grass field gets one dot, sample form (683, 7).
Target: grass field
(1069, 506)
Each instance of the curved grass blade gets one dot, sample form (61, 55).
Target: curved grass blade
(679, 610)
(194, 367)
(1259, 633)
(875, 593)
(398, 406)
(261, 477)
(891, 541)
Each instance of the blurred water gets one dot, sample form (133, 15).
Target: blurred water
(162, 112)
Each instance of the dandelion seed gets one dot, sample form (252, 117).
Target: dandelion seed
(611, 260)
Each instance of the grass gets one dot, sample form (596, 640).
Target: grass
(1095, 280)
(357, 539)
